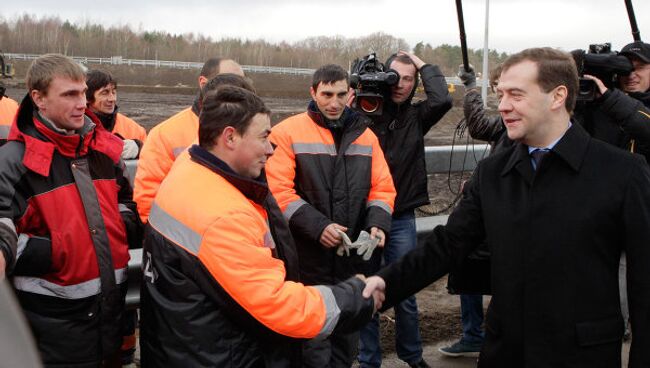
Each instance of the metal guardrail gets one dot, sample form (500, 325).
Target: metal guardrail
(118, 60)
(439, 159)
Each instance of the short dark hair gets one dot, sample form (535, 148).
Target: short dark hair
(554, 68)
(96, 80)
(227, 106)
(402, 58)
(211, 67)
(223, 80)
(327, 74)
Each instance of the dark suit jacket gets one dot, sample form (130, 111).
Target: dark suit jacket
(555, 236)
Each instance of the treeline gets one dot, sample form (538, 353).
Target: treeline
(34, 35)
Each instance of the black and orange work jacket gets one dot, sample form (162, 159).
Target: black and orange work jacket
(318, 182)
(8, 109)
(221, 276)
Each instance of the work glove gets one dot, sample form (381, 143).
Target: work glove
(130, 150)
(344, 247)
(364, 245)
(468, 78)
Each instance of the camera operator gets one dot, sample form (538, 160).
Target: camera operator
(401, 128)
(622, 118)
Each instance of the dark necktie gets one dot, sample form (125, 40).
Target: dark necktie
(537, 155)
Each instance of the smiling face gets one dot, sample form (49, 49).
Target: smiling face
(105, 99)
(63, 103)
(639, 79)
(523, 105)
(331, 98)
(253, 148)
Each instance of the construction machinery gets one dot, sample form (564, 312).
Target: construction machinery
(6, 70)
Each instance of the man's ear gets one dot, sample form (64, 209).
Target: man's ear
(559, 95)
(229, 137)
(202, 81)
(312, 92)
(37, 96)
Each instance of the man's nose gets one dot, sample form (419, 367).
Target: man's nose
(504, 105)
(268, 150)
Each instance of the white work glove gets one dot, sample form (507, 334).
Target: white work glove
(130, 150)
(364, 245)
(344, 247)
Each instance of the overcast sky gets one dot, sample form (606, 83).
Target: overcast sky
(514, 24)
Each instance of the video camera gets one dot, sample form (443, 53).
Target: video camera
(371, 83)
(602, 63)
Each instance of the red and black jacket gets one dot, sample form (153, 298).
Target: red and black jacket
(65, 208)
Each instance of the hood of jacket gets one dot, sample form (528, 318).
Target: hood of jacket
(349, 119)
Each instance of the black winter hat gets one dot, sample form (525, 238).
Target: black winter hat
(637, 49)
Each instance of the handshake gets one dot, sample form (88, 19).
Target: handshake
(375, 288)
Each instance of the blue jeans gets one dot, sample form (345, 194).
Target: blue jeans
(471, 317)
(408, 344)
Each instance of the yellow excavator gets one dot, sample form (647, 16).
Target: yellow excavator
(6, 70)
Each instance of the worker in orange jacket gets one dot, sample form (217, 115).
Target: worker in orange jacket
(221, 281)
(171, 137)
(330, 178)
(8, 109)
(101, 97)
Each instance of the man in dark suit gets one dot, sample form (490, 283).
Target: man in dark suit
(555, 222)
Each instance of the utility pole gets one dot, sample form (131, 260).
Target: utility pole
(486, 52)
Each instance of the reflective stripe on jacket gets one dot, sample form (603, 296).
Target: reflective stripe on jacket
(316, 185)
(165, 142)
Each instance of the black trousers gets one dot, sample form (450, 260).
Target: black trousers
(337, 351)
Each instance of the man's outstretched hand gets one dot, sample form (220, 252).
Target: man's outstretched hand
(375, 287)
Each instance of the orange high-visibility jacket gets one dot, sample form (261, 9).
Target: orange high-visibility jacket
(127, 128)
(218, 263)
(8, 109)
(165, 142)
(317, 184)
